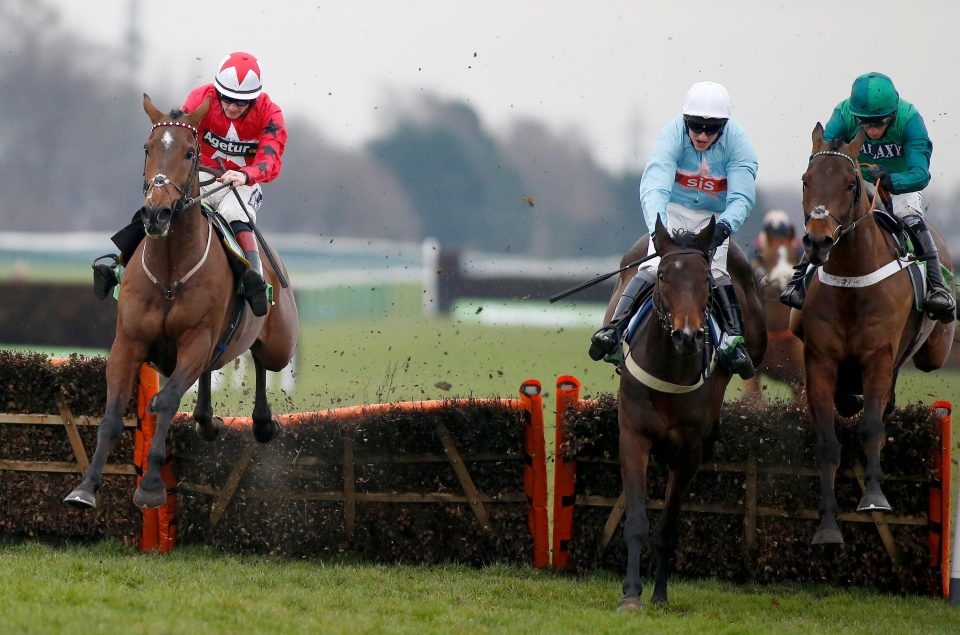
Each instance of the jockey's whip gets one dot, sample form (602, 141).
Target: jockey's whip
(256, 232)
(598, 279)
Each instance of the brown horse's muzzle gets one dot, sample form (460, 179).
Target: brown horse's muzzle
(156, 220)
(817, 248)
(687, 343)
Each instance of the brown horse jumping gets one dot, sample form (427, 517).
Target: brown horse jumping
(177, 298)
(670, 394)
(783, 359)
(858, 324)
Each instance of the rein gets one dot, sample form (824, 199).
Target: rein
(709, 361)
(664, 316)
(820, 212)
(160, 180)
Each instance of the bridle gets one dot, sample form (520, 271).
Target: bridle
(820, 212)
(162, 181)
(664, 316)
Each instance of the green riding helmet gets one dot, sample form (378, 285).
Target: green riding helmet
(872, 96)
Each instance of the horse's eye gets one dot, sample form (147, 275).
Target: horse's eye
(804, 181)
(189, 155)
(851, 185)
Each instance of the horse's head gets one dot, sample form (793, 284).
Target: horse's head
(170, 167)
(682, 292)
(832, 194)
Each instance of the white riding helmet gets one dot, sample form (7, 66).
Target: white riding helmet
(238, 76)
(708, 100)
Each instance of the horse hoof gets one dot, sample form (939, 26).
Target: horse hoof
(827, 536)
(81, 499)
(630, 603)
(209, 432)
(145, 499)
(264, 432)
(874, 503)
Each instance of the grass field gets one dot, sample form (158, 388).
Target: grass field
(108, 588)
(412, 358)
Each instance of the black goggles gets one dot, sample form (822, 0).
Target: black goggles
(235, 102)
(708, 126)
(875, 122)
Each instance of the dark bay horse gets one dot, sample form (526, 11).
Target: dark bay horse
(177, 299)
(783, 359)
(858, 325)
(666, 406)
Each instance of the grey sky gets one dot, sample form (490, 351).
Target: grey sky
(610, 73)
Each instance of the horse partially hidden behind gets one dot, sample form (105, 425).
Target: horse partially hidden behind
(858, 324)
(180, 311)
(776, 256)
(670, 391)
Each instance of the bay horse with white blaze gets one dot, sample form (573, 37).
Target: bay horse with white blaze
(858, 323)
(179, 310)
(670, 390)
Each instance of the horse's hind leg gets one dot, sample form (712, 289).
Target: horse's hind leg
(264, 427)
(206, 426)
(634, 457)
(666, 534)
(122, 364)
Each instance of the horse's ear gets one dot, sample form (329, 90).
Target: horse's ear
(817, 136)
(199, 113)
(151, 110)
(853, 148)
(660, 236)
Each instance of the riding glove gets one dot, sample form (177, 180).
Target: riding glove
(879, 173)
(720, 234)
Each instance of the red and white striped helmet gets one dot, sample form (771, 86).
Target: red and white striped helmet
(238, 76)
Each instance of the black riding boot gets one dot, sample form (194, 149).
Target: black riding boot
(254, 286)
(940, 303)
(605, 341)
(734, 353)
(795, 291)
(106, 277)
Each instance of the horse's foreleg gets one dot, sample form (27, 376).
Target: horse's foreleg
(152, 492)
(666, 534)
(122, 365)
(821, 384)
(264, 427)
(207, 428)
(634, 457)
(877, 387)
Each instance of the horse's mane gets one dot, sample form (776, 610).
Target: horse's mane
(685, 238)
(177, 113)
(835, 144)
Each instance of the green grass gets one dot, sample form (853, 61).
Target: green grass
(108, 588)
(403, 359)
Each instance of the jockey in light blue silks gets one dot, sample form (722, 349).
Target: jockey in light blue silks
(703, 165)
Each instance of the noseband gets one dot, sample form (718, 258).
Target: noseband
(820, 212)
(162, 181)
(664, 316)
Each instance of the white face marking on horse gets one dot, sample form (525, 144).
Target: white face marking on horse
(819, 212)
(166, 139)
